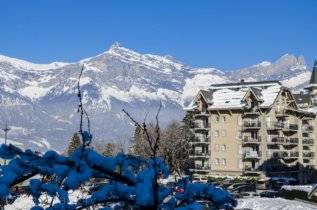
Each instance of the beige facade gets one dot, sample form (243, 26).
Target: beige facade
(242, 128)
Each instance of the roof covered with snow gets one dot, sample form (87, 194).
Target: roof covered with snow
(232, 95)
(207, 95)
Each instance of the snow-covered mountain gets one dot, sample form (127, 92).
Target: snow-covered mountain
(289, 69)
(39, 100)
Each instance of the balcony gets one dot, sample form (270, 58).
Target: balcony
(250, 140)
(251, 155)
(307, 148)
(308, 141)
(292, 155)
(276, 140)
(201, 168)
(281, 113)
(201, 115)
(250, 170)
(199, 154)
(201, 125)
(284, 155)
(275, 126)
(247, 125)
(293, 141)
(307, 128)
(251, 113)
(308, 155)
(289, 127)
(200, 139)
(277, 154)
(284, 140)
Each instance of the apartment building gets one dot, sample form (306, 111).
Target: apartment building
(241, 128)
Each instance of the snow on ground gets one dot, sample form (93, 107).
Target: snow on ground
(304, 188)
(21, 203)
(25, 203)
(273, 204)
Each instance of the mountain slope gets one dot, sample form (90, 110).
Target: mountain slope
(291, 70)
(40, 101)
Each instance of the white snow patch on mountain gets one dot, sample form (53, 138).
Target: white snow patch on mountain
(34, 92)
(10, 141)
(137, 93)
(115, 92)
(263, 64)
(205, 71)
(198, 82)
(85, 80)
(297, 80)
(8, 89)
(22, 64)
(41, 142)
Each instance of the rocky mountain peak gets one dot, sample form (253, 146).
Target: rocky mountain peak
(42, 104)
(291, 60)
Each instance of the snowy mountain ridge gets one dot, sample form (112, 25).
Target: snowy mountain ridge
(41, 98)
(22, 64)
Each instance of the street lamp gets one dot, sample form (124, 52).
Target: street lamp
(6, 129)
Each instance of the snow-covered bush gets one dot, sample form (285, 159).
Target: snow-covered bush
(120, 182)
(130, 181)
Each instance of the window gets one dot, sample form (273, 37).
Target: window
(217, 119)
(216, 133)
(223, 147)
(223, 119)
(224, 161)
(217, 161)
(223, 133)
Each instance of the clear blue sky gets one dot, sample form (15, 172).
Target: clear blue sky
(224, 34)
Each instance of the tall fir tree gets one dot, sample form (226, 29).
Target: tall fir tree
(189, 136)
(74, 143)
(110, 149)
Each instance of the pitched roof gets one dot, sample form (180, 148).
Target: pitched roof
(233, 96)
(256, 91)
(313, 78)
(207, 95)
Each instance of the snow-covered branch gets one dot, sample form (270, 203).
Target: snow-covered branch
(128, 180)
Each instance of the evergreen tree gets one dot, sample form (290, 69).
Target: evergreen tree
(74, 143)
(110, 149)
(189, 136)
